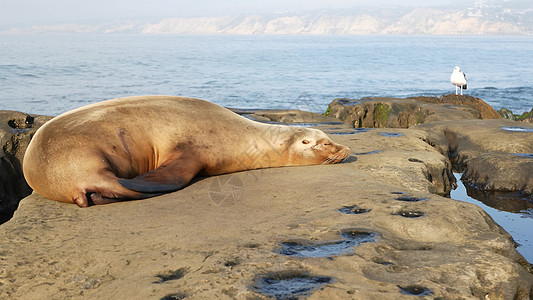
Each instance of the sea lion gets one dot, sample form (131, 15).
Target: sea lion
(140, 147)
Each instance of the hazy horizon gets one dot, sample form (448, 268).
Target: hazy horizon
(27, 13)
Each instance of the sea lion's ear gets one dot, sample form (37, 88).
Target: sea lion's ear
(170, 176)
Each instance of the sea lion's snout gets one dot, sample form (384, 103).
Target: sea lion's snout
(338, 154)
(344, 153)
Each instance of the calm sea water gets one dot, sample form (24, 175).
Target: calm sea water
(50, 74)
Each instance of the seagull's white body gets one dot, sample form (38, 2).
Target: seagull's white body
(458, 79)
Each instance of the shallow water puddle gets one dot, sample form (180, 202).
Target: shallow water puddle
(175, 296)
(354, 210)
(347, 131)
(410, 214)
(391, 134)
(526, 155)
(351, 238)
(517, 129)
(296, 124)
(416, 160)
(341, 132)
(514, 214)
(289, 285)
(410, 199)
(415, 290)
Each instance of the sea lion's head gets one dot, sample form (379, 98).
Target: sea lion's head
(312, 146)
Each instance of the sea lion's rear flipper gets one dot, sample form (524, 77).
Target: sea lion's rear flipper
(169, 177)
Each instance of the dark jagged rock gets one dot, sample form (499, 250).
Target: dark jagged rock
(404, 113)
(16, 130)
(486, 111)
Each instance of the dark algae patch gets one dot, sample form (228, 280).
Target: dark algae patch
(289, 284)
(350, 239)
(381, 115)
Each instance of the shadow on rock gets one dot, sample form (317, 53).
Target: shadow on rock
(16, 130)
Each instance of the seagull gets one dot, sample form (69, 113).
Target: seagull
(458, 79)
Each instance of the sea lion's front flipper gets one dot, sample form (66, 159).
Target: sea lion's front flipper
(168, 177)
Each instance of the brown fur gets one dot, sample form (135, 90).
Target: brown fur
(140, 147)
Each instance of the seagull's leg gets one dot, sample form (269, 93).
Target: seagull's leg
(461, 90)
(456, 91)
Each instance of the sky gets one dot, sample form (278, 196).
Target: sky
(25, 13)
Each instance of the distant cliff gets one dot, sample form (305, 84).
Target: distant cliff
(472, 21)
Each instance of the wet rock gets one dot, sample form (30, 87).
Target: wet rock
(410, 214)
(494, 154)
(404, 113)
(415, 290)
(289, 285)
(354, 210)
(351, 238)
(175, 296)
(16, 130)
(411, 199)
(501, 172)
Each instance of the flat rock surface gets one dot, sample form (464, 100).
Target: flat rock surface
(221, 237)
(285, 116)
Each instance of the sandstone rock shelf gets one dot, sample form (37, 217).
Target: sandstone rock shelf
(222, 247)
(223, 237)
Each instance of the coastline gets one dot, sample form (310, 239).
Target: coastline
(224, 246)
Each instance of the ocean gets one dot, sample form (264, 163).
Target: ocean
(51, 74)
